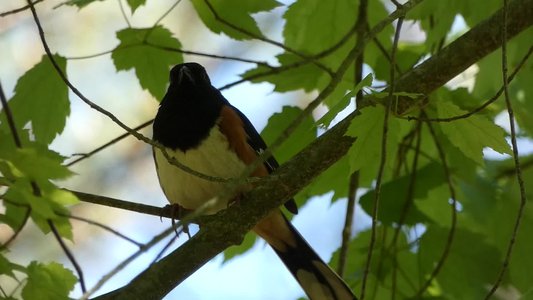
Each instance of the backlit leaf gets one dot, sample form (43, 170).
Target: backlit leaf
(151, 64)
(471, 134)
(48, 282)
(41, 98)
(235, 12)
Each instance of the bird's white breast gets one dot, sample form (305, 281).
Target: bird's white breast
(212, 157)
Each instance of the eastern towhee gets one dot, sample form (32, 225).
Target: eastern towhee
(203, 131)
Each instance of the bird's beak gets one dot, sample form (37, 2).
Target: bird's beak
(185, 74)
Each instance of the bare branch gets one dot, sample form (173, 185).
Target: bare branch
(111, 142)
(20, 9)
(104, 227)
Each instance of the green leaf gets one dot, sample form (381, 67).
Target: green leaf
(44, 208)
(151, 64)
(490, 208)
(472, 134)
(393, 195)
(235, 12)
(436, 205)
(14, 216)
(520, 89)
(365, 153)
(40, 164)
(80, 3)
(22, 192)
(436, 19)
(309, 30)
(315, 25)
(41, 98)
(474, 13)
(471, 265)
(62, 197)
(407, 56)
(7, 267)
(134, 4)
(234, 251)
(521, 260)
(48, 282)
(303, 135)
(383, 263)
(335, 107)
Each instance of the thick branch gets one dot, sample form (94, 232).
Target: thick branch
(471, 47)
(218, 234)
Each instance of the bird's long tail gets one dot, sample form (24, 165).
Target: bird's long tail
(315, 277)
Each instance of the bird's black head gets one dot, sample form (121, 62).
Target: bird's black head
(189, 74)
(190, 108)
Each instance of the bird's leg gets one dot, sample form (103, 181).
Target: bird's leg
(178, 212)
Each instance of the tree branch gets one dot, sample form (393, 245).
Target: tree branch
(471, 47)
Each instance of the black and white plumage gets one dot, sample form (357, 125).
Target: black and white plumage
(203, 131)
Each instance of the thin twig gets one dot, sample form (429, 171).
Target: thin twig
(10, 118)
(348, 221)
(122, 204)
(127, 261)
(451, 233)
(383, 159)
(385, 54)
(149, 32)
(194, 215)
(111, 142)
(123, 12)
(173, 49)
(380, 264)
(516, 159)
(17, 231)
(224, 57)
(412, 184)
(165, 14)
(20, 9)
(104, 227)
(69, 254)
(166, 247)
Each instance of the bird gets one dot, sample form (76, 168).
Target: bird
(198, 127)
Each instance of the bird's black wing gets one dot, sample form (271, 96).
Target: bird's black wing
(258, 144)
